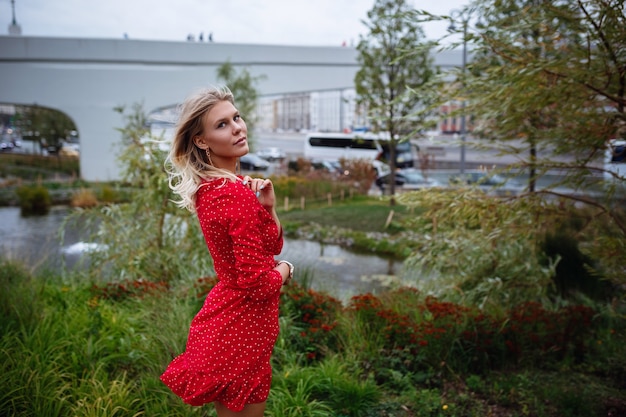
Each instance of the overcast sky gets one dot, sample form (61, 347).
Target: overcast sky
(283, 22)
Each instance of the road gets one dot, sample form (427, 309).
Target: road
(443, 148)
(291, 143)
(445, 151)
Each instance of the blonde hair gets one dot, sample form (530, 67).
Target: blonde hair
(187, 165)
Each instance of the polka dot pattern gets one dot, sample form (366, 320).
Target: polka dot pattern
(227, 356)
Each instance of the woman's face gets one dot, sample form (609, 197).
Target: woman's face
(225, 135)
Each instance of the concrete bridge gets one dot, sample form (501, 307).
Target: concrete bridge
(87, 78)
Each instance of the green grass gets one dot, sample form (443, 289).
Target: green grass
(31, 167)
(362, 224)
(70, 350)
(366, 214)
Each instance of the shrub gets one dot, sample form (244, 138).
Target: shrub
(109, 195)
(147, 238)
(420, 335)
(480, 250)
(316, 313)
(297, 402)
(574, 270)
(119, 291)
(19, 304)
(203, 285)
(352, 397)
(84, 198)
(34, 199)
(361, 173)
(313, 190)
(539, 336)
(63, 338)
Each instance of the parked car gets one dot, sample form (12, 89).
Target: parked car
(406, 154)
(252, 162)
(380, 168)
(407, 179)
(332, 167)
(6, 146)
(68, 151)
(488, 181)
(271, 154)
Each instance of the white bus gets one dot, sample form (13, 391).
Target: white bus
(335, 146)
(615, 159)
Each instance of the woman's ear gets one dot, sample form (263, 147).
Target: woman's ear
(199, 142)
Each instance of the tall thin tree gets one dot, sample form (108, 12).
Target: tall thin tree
(395, 61)
(550, 79)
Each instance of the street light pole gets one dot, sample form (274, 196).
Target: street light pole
(463, 103)
(14, 28)
(464, 15)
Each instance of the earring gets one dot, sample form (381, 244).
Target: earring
(208, 155)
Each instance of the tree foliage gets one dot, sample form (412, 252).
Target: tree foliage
(242, 84)
(548, 83)
(490, 252)
(480, 250)
(44, 125)
(395, 63)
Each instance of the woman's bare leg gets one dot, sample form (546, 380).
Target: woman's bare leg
(250, 410)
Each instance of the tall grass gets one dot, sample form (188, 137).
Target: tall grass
(77, 354)
(71, 349)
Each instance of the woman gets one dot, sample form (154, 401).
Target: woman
(227, 357)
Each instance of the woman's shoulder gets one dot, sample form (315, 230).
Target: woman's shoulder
(222, 189)
(218, 185)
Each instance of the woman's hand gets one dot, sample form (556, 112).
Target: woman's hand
(264, 190)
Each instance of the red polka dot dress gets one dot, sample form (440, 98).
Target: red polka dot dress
(227, 356)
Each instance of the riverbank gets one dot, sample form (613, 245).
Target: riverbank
(332, 264)
(58, 174)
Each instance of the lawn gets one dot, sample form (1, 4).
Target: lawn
(365, 214)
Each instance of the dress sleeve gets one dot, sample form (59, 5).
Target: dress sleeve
(254, 233)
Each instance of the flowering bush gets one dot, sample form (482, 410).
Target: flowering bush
(398, 333)
(481, 343)
(365, 308)
(316, 314)
(534, 334)
(119, 291)
(428, 334)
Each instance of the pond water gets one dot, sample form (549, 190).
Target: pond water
(35, 240)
